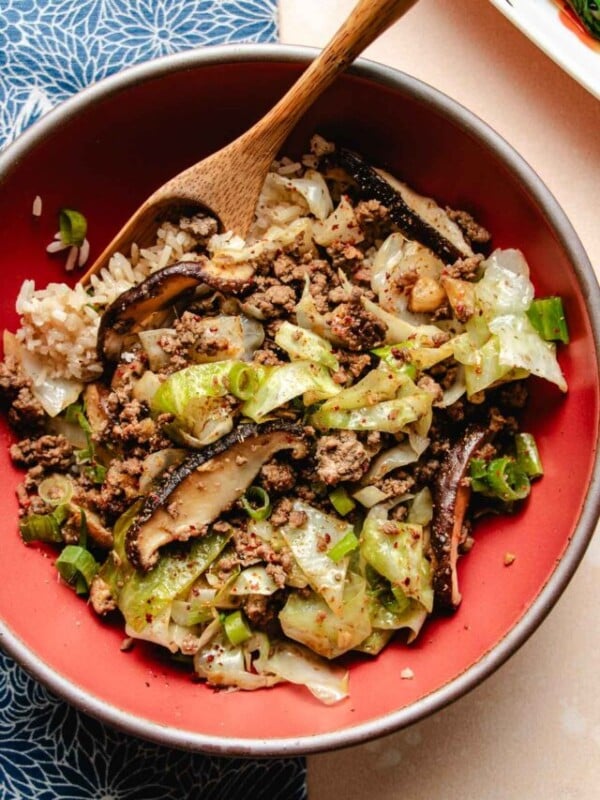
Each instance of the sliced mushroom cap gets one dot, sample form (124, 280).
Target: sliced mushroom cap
(159, 292)
(451, 494)
(418, 218)
(205, 485)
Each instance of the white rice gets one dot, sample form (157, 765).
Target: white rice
(60, 324)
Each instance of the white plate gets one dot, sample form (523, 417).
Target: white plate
(541, 21)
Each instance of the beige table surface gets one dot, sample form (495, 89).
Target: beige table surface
(531, 731)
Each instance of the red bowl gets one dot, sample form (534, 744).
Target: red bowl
(103, 152)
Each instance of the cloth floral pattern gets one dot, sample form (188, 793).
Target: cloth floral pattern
(50, 49)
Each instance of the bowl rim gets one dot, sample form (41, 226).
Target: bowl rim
(557, 582)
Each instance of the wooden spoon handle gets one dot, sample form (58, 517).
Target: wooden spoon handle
(364, 24)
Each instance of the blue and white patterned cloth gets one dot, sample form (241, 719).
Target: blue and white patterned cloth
(50, 49)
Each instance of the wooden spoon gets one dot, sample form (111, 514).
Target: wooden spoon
(228, 182)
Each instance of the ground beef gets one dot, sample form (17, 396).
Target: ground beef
(352, 366)
(101, 597)
(397, 483)
(464, 269)
(342, 456)
(346, 256)
(357, 328)
(47, 452)
(200, 227)
(474, 232)
(275, 301)
(261, 611)
(428, 384)
(281, 513)
(268, 357)
(12, 380)
(191, 334)
(276, 477)
(287, 270)
(373, 219)
(25, 412)
(120, 489)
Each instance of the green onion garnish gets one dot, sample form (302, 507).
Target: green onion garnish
(77, 567)
(73, 226)
(243, 381)
(236, 628)
(346, 545)
(87, 456)
(547, 316)
(40, 528)
(501, 478)
(528, 457)
(256, 503)
(56, 490)
(341, 501)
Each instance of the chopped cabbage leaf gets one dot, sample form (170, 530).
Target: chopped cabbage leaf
(395, 550)
(310, 621)
(304, 345)
(279, 385)
(325, 576)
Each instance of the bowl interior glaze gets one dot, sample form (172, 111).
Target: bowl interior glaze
(104, 153)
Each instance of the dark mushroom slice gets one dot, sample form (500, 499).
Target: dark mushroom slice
(451, 495)
(417, 217)
(160, 291)
(205, 485)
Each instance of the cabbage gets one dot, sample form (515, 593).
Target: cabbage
(224, 664)
(304, 345)
(309, 620)
(340, 226)
(399, 456)
(308, 316)
(421, 508)
(253, 580)
(54, 394)
(258, 663)
(395, 550)
(421, 356)
(296, 664)
(311, 187)
(520, 346)
(395, 257)
(146, 598)
(391, 416)
(505, 287)
(279, 385)
(325, 576)
(500, 344)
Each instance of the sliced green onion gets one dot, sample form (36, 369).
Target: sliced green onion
(77, 567)
(346, 545)
(56, 490)
(501, 478)
(73, 226)
(341, 501)
(96, 473)
(256, 503)
(243, 381)
(547, 316)
(61, 513)
(40, 528)
(83, 529)
(236, 628)
(528, 457)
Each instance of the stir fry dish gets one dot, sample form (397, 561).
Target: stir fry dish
(264, 454)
